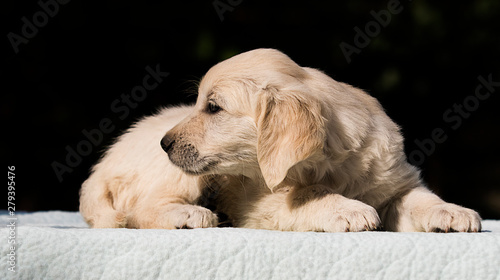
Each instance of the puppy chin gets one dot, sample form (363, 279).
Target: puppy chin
(197, 167)
(217, 167)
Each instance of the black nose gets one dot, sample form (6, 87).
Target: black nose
(166, 143)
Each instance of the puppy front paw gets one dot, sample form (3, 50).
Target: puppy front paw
(356, 216)
(449, 217)
(192, 216)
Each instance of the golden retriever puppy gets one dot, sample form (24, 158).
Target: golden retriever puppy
(304, 152)
(287, 147)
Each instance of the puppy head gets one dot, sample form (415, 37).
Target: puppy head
(254, 115)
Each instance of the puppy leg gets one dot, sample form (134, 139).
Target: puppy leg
(167, 204)
(174, 216)
(421, 210)
(312, 208)
(96, 206)
(316, 208)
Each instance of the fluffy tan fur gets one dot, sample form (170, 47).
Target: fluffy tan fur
(290, 149)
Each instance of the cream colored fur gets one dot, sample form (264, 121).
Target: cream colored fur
(135, 185)
(290, 149)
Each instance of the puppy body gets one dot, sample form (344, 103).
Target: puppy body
(356, 156)
(291, 148)
(305, 152)
(135, 185)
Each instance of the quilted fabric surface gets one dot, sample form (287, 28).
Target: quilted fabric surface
(59, 245)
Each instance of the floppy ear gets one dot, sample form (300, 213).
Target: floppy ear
(290, 129)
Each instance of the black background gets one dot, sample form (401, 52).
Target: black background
(65, 78)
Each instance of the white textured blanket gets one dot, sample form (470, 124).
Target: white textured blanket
(59, 245)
